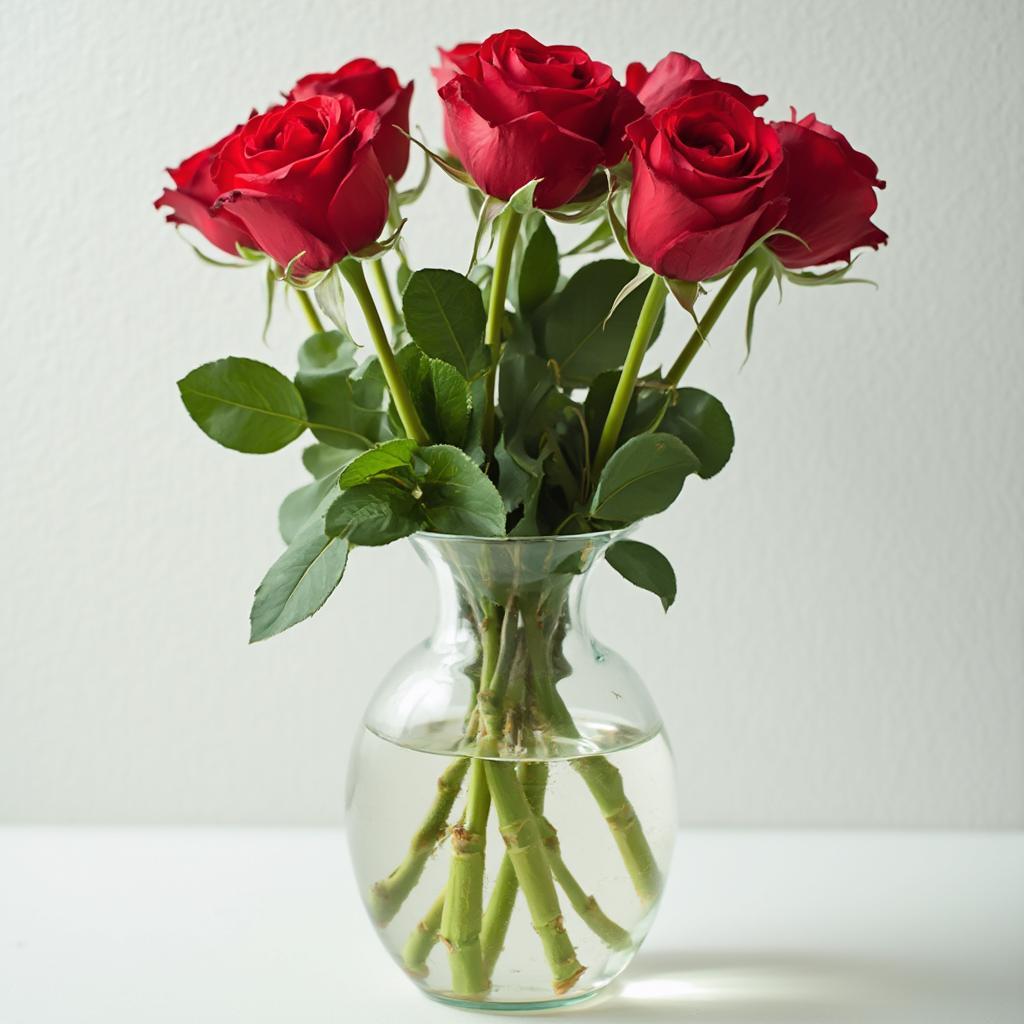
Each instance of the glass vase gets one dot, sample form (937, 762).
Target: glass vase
(511, 808)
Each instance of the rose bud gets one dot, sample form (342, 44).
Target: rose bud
(707, 183)
(519, 111)
(304, 178)
(453, 61)
(831, 189)
(676, 76)
(371, 87)
(193, 195)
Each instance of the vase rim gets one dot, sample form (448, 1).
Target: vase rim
(618, 533)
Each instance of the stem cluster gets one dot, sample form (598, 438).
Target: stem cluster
(516, 681)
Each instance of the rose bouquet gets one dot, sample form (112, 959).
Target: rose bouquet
(503, 421)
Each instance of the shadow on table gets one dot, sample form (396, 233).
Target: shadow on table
(750, 988)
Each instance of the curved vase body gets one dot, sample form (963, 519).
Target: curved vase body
(511, 803)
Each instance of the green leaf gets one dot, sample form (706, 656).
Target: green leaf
(514, 479)
(244, 404)
(440, 393)
(387, 456)
(529, 399)
(456, 495)
(576, 335)
(374, 513)
(642, 478)
(538, 269)
(299, 582)
(644, 567)
(444, 313)
(344, 411)
(303, 504)
(323, 460)
(328, 352)
(700, 421)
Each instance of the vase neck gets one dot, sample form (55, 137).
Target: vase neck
(477, 579)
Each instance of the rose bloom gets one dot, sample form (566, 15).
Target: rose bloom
(707, 182)
(676, 76)
(193, 195)
(453, 61)
(372, 88)
(304, 177)
(831, 189)
(518, 111)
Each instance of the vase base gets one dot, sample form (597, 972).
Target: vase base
(501, 1006)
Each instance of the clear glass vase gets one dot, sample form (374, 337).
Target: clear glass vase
(511, 801)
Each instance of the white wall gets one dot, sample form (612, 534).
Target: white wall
(847, 648)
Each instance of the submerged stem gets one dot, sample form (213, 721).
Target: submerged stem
(388, 895)
(463, 906)
(533, 776)
(601, 777)
(423, 938)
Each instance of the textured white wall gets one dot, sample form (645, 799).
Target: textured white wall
(847, 648)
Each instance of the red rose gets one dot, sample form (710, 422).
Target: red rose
(676, 76)
(519, 111)
(453, 61)
(831, 191)
(372, 88)
(193, 195)
(707, 178)
(304, 178)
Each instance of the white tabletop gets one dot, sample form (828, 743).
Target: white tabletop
(190, 926)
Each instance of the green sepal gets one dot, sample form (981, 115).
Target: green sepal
(410, 195)
(377, 249)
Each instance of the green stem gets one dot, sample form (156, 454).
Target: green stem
(388, 895)
(642, 335)
(423, 938)
(507, 234)
(310, 310)
(709, 319)
(380, 279)
(463, 906)
(601, 777)
(352, 271)
(533, 776)
(610, 933)
(521, 833)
